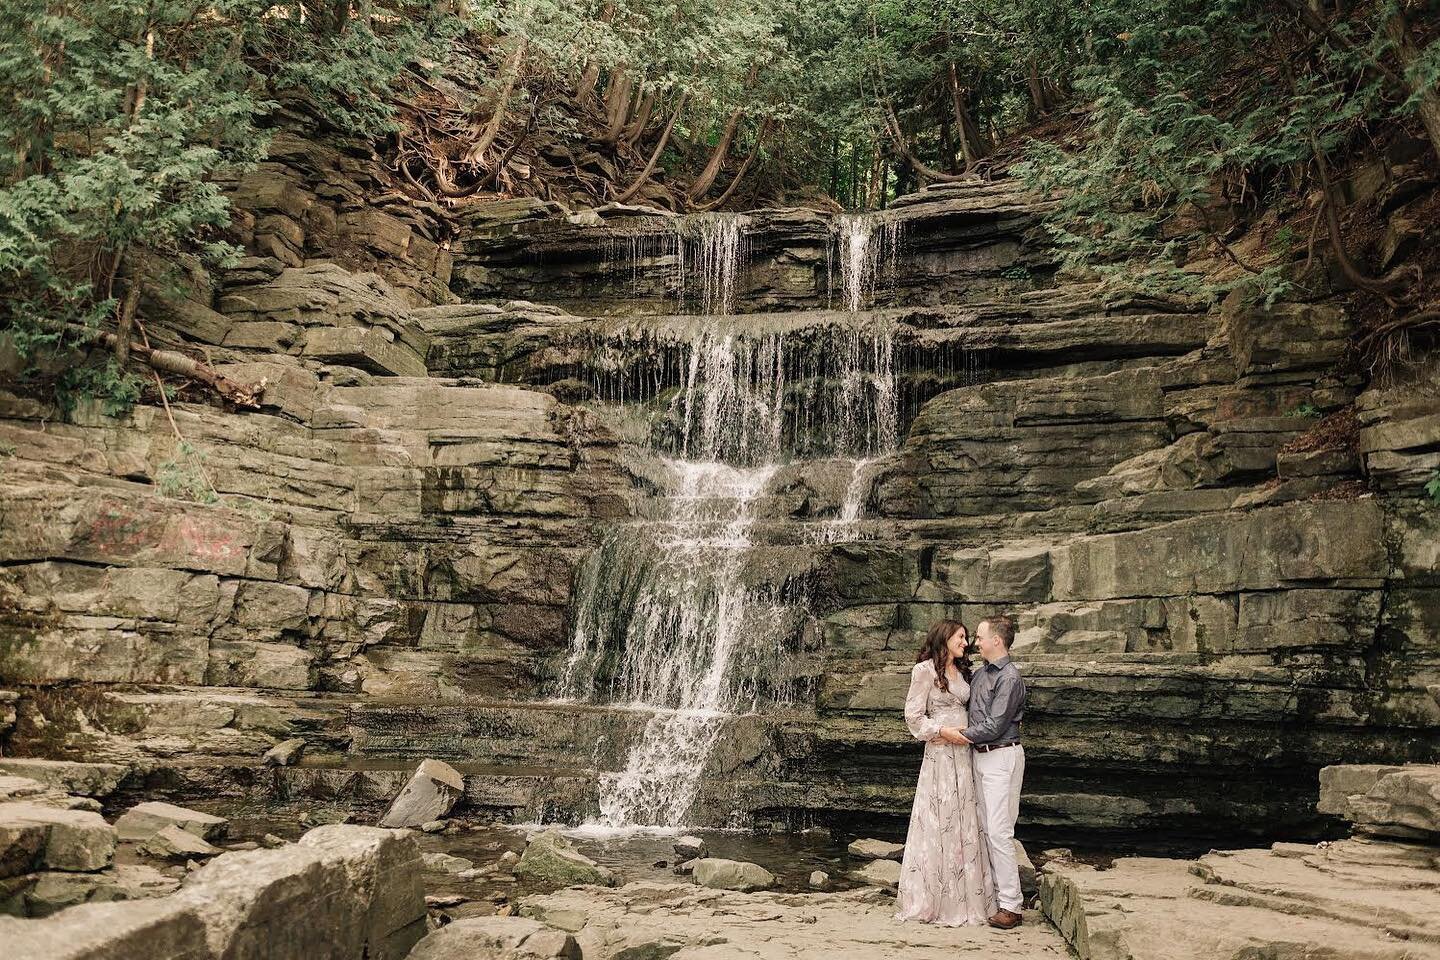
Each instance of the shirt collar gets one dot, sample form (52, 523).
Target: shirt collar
(999, 664)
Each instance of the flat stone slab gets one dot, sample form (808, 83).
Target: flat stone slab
(145, 820)
(70, 776)
(1353, 899)
(684, 922)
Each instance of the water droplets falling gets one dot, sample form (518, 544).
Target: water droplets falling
(867, 247)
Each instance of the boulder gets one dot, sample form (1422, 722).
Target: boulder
(690, 848)
(284, 753)
(876, 850)
(173, 843)
(446, 863)
(1402, 803)
(68, 776)
(431, 792)
(145, 820)
(881, 873)
(721, 874)
(819, 880)
(35, 837)
(552, 858)
(496, 938)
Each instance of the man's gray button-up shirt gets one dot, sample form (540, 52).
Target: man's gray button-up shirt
(997, 703)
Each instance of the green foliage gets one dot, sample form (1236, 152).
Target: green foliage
(123, 121)
(1307, 410)
(183, 476)
(114, 389)
(1432, 487)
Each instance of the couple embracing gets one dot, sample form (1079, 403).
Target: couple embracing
(960, 865)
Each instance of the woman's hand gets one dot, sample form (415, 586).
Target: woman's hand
(954, 736)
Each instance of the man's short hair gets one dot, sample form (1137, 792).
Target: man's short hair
(1003, 627)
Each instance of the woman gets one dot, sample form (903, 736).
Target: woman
(945, 876)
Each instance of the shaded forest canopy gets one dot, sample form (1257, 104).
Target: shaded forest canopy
(1230, 127)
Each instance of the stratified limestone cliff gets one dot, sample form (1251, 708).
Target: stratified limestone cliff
(1212, 603)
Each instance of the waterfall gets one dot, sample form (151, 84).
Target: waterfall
(869, 248)
(666, 622)
(676, 616)
(708, 252)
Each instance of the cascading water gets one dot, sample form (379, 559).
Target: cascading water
(868, 245)
(669, 616)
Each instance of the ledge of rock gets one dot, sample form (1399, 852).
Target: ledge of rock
(1371, 897)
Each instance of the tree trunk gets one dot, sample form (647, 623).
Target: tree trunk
(125, 319)
(972, 144)
(892, 125)
(637, 126)
(617, 105)
(744, 167)
(645, 174)
(167, 361)
(1038, 99)
(511, 72)
(1427, 100)
(706, 180)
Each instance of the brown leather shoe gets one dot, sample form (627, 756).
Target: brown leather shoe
(1006, 920)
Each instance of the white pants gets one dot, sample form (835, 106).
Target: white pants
(997, 780)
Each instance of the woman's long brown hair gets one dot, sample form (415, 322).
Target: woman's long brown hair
(935, 651)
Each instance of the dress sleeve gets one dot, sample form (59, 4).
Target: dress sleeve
(917, 703)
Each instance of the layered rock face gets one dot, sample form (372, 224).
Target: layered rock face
(1212, 602)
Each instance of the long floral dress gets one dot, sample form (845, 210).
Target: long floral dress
(945, 875)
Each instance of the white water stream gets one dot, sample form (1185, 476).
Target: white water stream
(668, 619)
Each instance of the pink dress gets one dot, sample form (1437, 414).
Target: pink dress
(945, 876)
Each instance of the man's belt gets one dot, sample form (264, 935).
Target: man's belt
(987, 747)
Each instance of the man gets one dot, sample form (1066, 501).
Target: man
(997, 705)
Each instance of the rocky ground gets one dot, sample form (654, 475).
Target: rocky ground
(164, 882)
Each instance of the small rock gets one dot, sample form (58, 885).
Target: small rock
(691, 848)
(243, 845)
(431, 792)
(881, 873)
(272, 842)
(660, 864)
(173, 843)
(448, 900)
(145, 820)
(474, 873)
(446, 863)
(433, 826)
(685, 868)
(820, 880)
(1057, 853)
(509, 858)
(722, 874)
(876, 849)
(285, 753)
